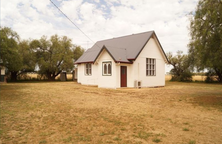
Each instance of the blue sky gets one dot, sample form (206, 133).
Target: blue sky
(101, 19)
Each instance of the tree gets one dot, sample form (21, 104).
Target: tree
(27, 55)
(181, 67)
(16, 56)
(78, 51)
(53, 55)
(205, 46)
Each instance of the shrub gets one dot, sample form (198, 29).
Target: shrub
(183, 77)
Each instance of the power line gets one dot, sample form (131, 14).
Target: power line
(70, 20)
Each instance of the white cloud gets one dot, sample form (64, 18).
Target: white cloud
(97, 1)
(101, 19)
(71, 8)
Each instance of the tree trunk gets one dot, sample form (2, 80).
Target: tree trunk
(219, 74)
(50, 76)
(219, 77)
(14, 76)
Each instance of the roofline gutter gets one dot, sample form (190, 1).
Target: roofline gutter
(94, 62)
(123, 62)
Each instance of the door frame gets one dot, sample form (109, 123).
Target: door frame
(123, 84)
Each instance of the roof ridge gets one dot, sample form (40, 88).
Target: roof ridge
(124, 36)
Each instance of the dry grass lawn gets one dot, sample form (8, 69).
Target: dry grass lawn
(67, 112)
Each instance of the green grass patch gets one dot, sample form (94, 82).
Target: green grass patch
(69, 139)
(192, 142)
(144, 135)
(117, 138)
(185, 129)
(102, 134)
(186, 123)
(43, 142)
(156, 140)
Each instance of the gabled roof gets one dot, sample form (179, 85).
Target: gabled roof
(122, 49)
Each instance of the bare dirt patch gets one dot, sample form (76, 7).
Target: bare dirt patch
(66, 112)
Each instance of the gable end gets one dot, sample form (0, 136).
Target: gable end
(159, 45)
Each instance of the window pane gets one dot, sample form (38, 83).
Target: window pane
(87, 69)
(150, 67)
(87, 72)
(109, 68)
(105, 69)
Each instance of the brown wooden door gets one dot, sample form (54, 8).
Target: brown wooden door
(123, 81)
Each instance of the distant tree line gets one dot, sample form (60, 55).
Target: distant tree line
(205, 47)
(48, 56)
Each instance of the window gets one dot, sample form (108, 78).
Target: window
(107, 68)
(150, 67)
(88, 69)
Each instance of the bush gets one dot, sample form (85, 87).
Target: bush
(184, 77)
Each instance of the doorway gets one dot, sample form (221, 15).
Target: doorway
(123, 80)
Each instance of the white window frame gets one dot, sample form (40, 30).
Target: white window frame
(150, 67)
(105, 68)
(88, 69)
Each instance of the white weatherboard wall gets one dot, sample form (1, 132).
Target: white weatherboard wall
(87, 79)
(138, 70)
(106, 81)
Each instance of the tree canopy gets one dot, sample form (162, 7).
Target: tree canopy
(15, 54)
(181, 67)
(53, 55)
(205, 46)
(48, 56)
(77, 52)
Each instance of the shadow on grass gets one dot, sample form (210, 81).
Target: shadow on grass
(10, 91)
(209, 101)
